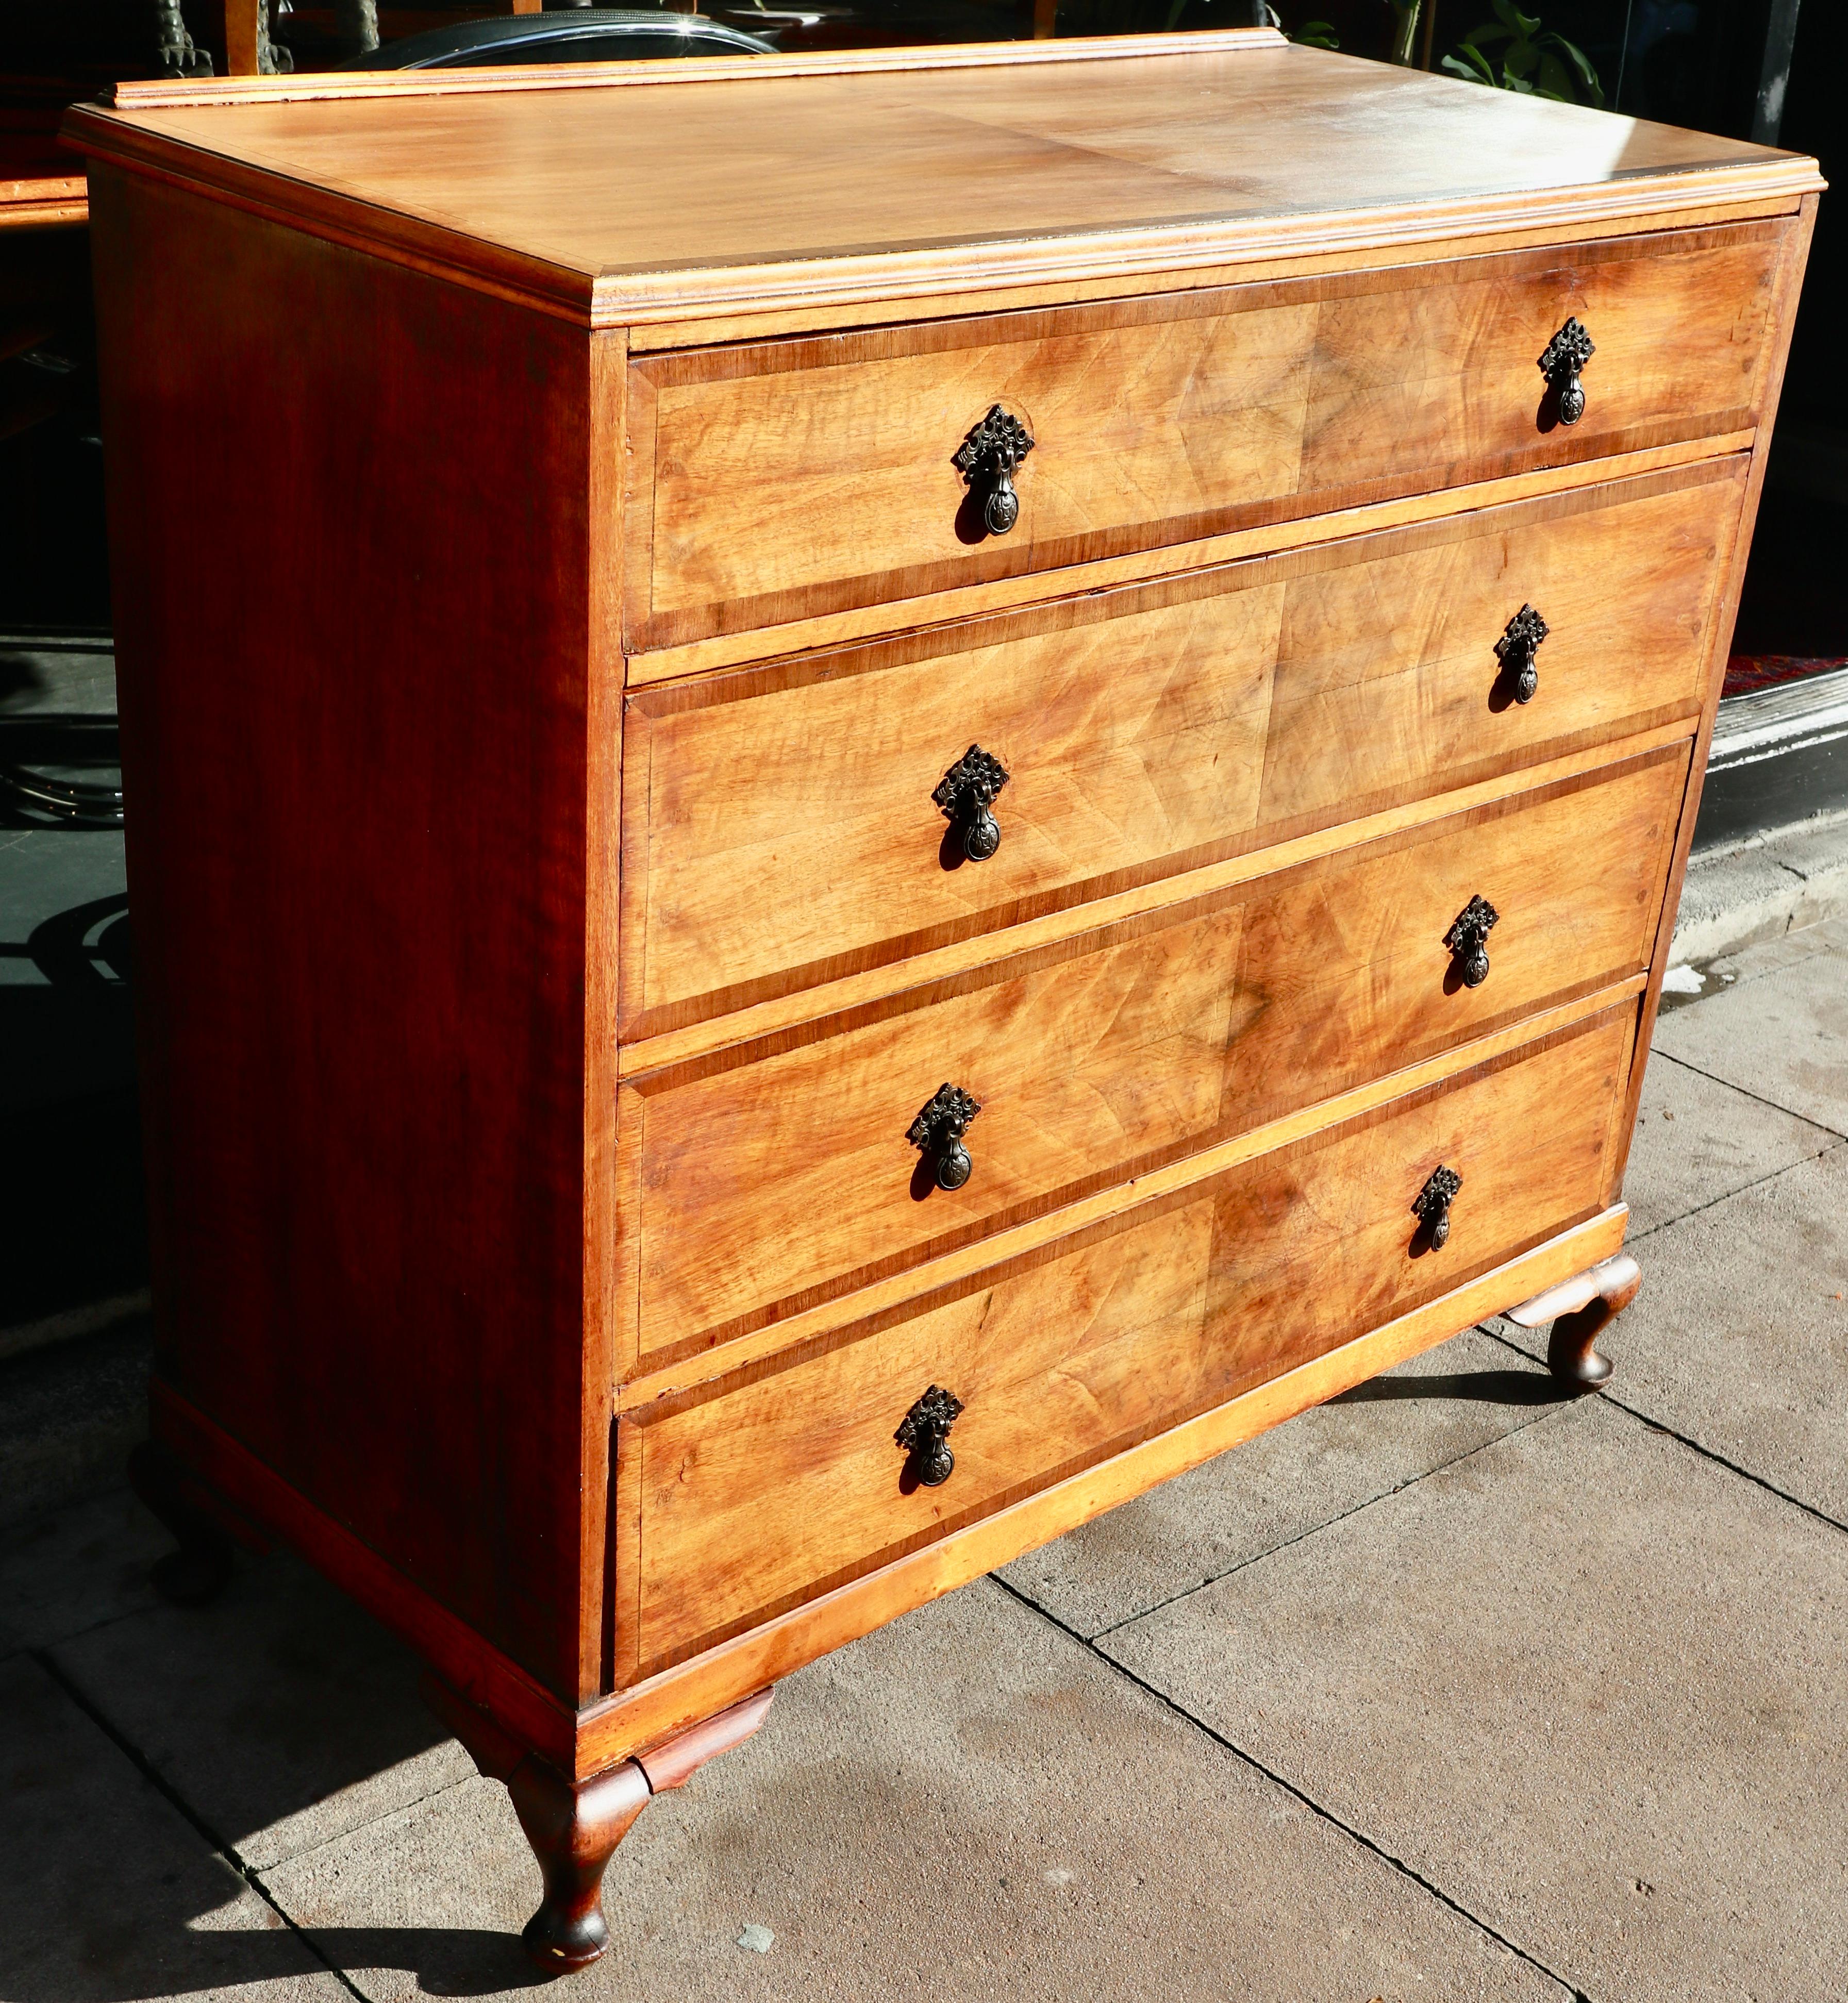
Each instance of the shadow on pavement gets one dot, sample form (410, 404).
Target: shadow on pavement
(1484, 1387)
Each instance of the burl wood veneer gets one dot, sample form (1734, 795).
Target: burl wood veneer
(826, 874)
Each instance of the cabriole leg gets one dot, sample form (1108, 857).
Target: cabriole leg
(1579, 1309)
(574, 1826)
(574, 1832)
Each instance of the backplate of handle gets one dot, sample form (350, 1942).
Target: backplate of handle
(1517, 650)
(938, 1131)
(1432, 1204)
(1562, 364)
(965, 795)
(1467, 939)
(987, 459)
(924, 1433)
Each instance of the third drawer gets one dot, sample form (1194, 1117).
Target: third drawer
(777, 1174)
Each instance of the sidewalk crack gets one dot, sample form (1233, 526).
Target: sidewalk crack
(1745, 1092)
(1315, 1808)
(1315, 1530)
(226, 1851)
(1695, 1446)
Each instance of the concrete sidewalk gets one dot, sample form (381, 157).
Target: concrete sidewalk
(1449, 1689)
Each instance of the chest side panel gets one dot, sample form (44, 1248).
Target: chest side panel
(349, 524)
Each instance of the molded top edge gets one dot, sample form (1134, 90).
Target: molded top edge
(826, 180)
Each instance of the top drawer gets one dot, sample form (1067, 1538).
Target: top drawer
(784, 479)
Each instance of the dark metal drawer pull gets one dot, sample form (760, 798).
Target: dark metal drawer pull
(1468, 939)
(939, 1130)
(1516, 648)
(924, 1433)
(1431, 1206)
(965, 793)
(989, 455)
(1566, 354)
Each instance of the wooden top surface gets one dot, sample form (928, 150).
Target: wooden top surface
(644, 191)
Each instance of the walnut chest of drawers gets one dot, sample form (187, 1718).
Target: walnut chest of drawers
(872, 796)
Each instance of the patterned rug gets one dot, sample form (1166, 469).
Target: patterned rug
(1746, 673)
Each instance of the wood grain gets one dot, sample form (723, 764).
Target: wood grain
(755, 1496)
(754, 1020)
(781, 827)
(775, 1176)
(357, 854)
(702, 1365)
(607, 377)
(536, 1716)
(833, 631)
(1392, 239)
(967, 176)
(1161, 421)
(665, 1701)
(535, 1240)
(142, 94)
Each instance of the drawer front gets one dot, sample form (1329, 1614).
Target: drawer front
(776, 1176)
(776, 1488)
(783, 826)
(787, 479)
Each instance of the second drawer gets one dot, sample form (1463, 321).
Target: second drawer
(781, 823)
(781, 1173)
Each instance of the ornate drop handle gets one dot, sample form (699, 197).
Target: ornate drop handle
(1467, 938)
(924, 1433)
(1431, 1205)
(1567, 354)
(1516, 650)
(989, 455)
(965, 793)
(939, 1130)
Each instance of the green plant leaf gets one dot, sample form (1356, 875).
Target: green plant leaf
(1521, 23)
(1582, 63)
(1316, 35)
(1488, 31)
(1475, 66)
(1520, 60)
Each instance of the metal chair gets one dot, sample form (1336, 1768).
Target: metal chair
(585, 34)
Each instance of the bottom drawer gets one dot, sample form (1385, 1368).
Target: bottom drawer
(762, 1490)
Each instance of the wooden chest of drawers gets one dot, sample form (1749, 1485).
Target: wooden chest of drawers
(829, 869)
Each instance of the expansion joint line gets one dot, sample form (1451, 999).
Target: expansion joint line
(1695, 1446)
(225, 1849)
(1758, 1098)
(1541, 1412)
(1315, 1808)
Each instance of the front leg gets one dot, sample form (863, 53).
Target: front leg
(574, 1831)
(1578, 1309)
(574, 1826)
